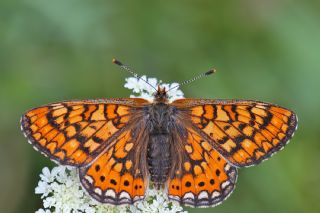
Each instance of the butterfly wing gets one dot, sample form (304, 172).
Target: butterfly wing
(75, 132)
(205, 178)
(118, 176)
(102, 137)
(244, 132)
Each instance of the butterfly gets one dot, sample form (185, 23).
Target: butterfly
(191, 148)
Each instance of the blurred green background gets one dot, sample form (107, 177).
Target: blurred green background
(266, 50)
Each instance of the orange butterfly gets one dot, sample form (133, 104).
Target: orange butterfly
(190, 147)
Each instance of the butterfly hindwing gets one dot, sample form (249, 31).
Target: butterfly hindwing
(116, 177)
(244, 132)
(205, 178)
(75, 132)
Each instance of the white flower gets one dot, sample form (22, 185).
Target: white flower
(144, 90)
(42, 188)
(62, 192)
(156, 202)
(61, 189)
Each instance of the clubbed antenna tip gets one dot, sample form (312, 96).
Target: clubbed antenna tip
(195, 78)
(210, 72)
(126, 68)
(115, 61)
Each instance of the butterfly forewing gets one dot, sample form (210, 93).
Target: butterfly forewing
(244, 132)
(74, 133)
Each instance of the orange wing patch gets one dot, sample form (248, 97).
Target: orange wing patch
(205, 179)
(245, 132)
(111, 178)
(74, 133)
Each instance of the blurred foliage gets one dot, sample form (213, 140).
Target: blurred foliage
(266, 50)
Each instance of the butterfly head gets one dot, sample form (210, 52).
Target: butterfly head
(161, 95)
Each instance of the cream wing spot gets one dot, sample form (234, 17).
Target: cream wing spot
(203, 195)
(227, 167)
(215, 194)
(188, 149)
(188, 195)
(124, 195)
(128, 146)
(221, 114)
(99, 113)
(98, 191)
(89, 179)
(110, 193)
(58, 112)
(225, 184)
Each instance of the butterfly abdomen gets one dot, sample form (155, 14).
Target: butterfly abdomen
(159, 159)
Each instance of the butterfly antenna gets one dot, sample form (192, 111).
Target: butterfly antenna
(128, 69)
(195, 78)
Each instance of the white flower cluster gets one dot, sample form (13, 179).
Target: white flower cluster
(61, 189)
(144, 90)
